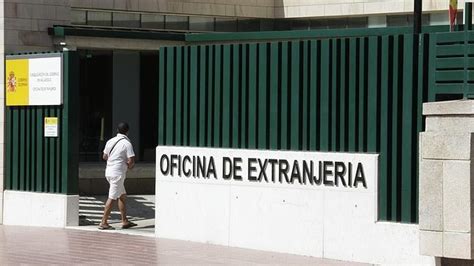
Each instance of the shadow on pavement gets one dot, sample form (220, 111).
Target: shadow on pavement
(140, 209)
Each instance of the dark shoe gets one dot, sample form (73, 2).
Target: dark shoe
(105, 227)
(128, 225)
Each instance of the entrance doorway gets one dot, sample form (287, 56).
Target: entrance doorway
(117, 86)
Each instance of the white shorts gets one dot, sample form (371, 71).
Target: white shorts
(117, 187)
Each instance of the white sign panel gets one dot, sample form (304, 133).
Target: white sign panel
(287, 169)
(45, 81)
(35, 80)
(307, 203)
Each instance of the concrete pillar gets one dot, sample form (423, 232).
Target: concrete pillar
(126, 93)
(446, 180)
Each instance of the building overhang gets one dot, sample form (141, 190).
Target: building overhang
(62, 31)
(85, 37)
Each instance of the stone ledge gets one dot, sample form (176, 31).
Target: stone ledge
(458, 107)
(452, 123)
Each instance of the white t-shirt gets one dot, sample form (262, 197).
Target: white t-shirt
(117, 161)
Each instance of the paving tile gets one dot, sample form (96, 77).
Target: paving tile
(36, 245)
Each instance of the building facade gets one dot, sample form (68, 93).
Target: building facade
(117, 43)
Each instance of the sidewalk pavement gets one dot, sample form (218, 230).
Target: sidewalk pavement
(36, 245)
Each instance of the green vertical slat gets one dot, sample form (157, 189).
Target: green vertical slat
(202, 96)
(305, 98)
(170, 116)
(244, 102)
(33, 158)
(325, 90)
(193, 106)
(46, 156)
(69, 125)
(372, 96)
(38, 169)
(284, 145)
(15, 149)
(361, 110)
(217, 96)
(161, 99)
(179, 95)
(432, 68)
(226, 94)
(39, 149)
(333, 102)
(342, 98)
(384, 141)
(353, 52)
(22, 150)
(27, 149)
(262, 97)
(295, 96)
(394, 127)
(210, 96)
(33, 148)
(235, 96)
(252, 96)
(423, 54)
(59, 153)
(273, 131)
(186, 99)
(465, 90)
(8, 148)
(313, 96)
(407, 128)
(52, 158)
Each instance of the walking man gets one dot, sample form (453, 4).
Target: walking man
(118, 153)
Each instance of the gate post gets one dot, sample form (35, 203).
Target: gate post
(446, 180)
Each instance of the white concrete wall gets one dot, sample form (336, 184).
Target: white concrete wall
(27, 21)
(40, 209)
(239, 8)
(320, 221)
(305, 8)
(268, 8)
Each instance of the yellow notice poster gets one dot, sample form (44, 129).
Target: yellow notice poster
(16, 82)
(50, 126)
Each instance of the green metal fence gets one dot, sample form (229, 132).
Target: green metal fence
(452, 65)
(337, 94)
(342, 94)
(36, 163)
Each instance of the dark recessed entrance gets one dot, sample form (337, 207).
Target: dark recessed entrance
(117, 86)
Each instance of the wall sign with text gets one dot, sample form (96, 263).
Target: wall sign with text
(288, 168)
(35, 80)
